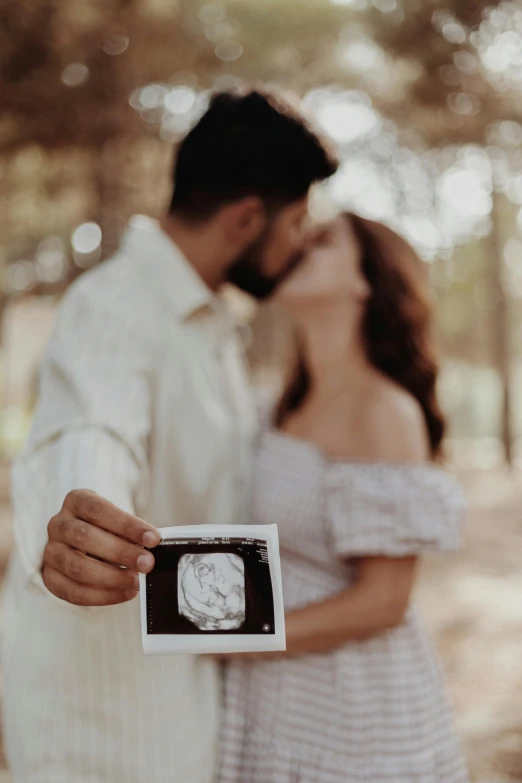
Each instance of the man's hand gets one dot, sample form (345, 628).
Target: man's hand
(90, 540)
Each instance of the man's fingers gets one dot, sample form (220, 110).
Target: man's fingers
(81, 595)
(91, 540)
(80, 568)
(91, 507)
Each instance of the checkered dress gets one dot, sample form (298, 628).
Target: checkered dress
(373, 711)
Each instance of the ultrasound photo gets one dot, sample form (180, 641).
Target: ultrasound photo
(211, 590)
(215, 587)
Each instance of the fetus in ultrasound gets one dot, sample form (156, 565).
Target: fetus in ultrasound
(211, 590)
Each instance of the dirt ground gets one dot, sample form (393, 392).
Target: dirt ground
(473, 604)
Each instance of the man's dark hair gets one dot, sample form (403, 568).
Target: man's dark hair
(247, 143)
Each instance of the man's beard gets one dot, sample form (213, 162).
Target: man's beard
(246, 272)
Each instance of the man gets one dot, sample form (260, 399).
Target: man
(144, 410)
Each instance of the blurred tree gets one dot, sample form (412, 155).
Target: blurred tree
(61, 65)
(500, 324)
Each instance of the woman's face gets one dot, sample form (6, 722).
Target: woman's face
(330, 270)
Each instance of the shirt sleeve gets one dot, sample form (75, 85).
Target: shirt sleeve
(93, 419)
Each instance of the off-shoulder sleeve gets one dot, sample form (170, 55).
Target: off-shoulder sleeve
(393, 510)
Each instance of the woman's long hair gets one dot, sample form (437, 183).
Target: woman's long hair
(396, 325)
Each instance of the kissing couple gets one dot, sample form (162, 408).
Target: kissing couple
(146, 418)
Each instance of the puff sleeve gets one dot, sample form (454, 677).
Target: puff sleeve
(393, 510)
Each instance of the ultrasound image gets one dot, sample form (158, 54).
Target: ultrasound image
(210, 586)
(211, 590)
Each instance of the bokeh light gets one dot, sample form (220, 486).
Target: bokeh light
(51, 260)
(75, 74)
(86, 243)
(18, 277)
(229, 51)
(116, 44)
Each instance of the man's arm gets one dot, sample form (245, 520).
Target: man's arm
(88, 445)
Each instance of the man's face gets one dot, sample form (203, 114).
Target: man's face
(269, 260)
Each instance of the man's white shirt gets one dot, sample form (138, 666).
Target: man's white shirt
(144, 398)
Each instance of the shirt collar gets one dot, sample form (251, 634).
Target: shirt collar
(145, 239)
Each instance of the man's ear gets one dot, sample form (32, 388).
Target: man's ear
(244, 220)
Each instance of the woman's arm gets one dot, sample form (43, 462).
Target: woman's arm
(376, 602)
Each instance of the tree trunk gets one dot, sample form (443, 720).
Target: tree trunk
(500, 324)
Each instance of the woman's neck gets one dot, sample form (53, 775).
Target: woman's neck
(333, 348)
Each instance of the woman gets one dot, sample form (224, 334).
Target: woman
(346, 469)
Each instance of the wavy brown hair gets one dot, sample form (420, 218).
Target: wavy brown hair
(396, 325)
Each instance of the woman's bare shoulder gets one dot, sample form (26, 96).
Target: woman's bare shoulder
(395, 423)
